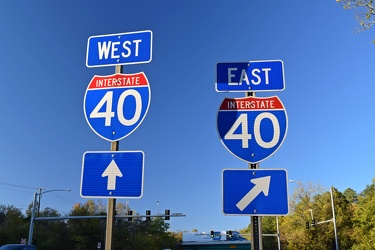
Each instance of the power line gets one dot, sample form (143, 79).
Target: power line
(16, 185)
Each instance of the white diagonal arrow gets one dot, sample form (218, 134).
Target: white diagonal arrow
(112, 171)
(262, 184)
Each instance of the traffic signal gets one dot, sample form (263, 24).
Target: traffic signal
(229, 233)
(212, 234)
(148, 212)
(307, 225)
(167, 212)
(313, 223)
(130, 213)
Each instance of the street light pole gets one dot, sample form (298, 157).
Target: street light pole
(32, 221)
(334, 219)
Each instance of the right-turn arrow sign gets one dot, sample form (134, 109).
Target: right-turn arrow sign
(258, 192)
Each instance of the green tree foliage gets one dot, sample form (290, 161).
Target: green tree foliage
(293, 230)
(49, 231)
(84, 234)
(269, 227)
(364, 219)
(13, 225)
(140, 234)
(354, 216)
(364, 12)
(128, 235)
(312, 201)
(246, 232)
(351, 196)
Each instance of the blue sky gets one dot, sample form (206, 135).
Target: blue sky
(44, 134)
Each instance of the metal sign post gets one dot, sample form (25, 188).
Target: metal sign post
(116, 50)
(256, 224)
(255, 221)
(111, 208)
(252, 129)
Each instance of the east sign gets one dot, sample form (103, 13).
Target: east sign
(252, 76)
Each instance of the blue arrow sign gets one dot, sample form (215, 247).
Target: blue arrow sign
(112, 174)
(252, 128)
(250, 76)
(119, 49)
(116, 105)
(260, 192)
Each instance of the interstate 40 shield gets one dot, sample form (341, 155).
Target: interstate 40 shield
(116, 105)
(252, 128)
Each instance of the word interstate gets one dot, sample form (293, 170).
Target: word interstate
(117, 81)
(245, 104)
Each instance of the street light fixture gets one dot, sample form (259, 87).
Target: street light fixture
(47, 191)
(157, 207)
(32, 221)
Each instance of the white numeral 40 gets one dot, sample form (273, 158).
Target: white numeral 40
(108, 114)
(244, 136)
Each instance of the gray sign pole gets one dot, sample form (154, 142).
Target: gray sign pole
(255, 221)
(111, 207)
(256, 224)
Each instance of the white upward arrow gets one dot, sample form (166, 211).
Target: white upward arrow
(262, 184)
(112, 171)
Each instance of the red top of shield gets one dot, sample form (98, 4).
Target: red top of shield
(252, 103)
(118, 81)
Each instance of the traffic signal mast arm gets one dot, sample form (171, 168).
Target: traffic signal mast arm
(313, 223)
(326, 221)
(105, 216)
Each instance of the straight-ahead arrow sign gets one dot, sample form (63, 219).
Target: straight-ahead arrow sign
(112, 171)
(261, 185)
(112, 174)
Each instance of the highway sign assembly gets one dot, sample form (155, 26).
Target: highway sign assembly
(252, 128)
(250, 76)
(256, 192)
(119, 49)
(116, 105)
(112, 174)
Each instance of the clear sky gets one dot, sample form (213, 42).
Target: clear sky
(329, 75)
